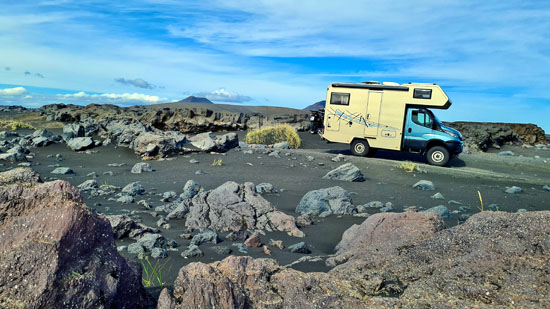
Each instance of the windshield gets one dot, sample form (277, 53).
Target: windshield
(436, 120)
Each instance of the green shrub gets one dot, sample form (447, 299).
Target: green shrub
(407, 166)
(272, 135)
(15, 125)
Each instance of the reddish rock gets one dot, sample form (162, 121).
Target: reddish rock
(54, 251)
(267, 251)
(253, 241)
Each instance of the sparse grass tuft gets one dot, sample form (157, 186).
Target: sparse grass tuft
(152, 274)
(480, 201)
(218, 162)
(407, 166)
(15, 125)
(272, 135)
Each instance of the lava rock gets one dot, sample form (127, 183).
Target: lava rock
(346, 172)
(325, 202)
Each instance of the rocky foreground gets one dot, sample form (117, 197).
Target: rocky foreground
(57, 253)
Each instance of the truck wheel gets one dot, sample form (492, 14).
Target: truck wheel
(360, 148)
(438, 155)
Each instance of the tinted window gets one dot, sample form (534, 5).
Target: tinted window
(422, 118)
(422, 93)
(339, 98)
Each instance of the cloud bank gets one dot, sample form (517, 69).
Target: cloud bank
(222, 95)
(138, 82)
(16, 91)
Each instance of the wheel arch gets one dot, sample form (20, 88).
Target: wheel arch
(435, 142)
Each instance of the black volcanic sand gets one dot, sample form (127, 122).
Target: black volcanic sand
(488, 173)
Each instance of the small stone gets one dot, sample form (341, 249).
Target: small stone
(438, 196)
(133, 188)
(186, 236)
(92, 174)
(205, 236)
(441, 211)
(238, 236)
(265, 188)
(506, 153)
(388, 207)
(304, 221)
(513, 190)
(145, 204)
(521, 210)
(136, 249)
(276, 244)
(453, 202)
(200, 172)
(222, 250)
(241, 247)
(266, 250)
(310, 158)
(424, 185)
(300, 247)
(191, 252)
(375, 204)
(125, 199)
(62, 171)
(547, 188)
(108, 173)
(194, 161)
(339, 158)
(159, 253)
(493, 207)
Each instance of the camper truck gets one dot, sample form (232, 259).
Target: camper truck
(373, 115)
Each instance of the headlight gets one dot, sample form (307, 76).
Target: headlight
(451, 134)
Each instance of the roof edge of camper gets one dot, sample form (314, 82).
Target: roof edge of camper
(370, 86)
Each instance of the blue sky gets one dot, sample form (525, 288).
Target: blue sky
(491, 57)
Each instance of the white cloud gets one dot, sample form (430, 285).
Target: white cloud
(223, 95)
(13, 91)
(114, 97)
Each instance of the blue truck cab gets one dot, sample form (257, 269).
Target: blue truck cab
(424, 133)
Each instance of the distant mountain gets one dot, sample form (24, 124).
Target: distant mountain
(193, 99)
(316, 106)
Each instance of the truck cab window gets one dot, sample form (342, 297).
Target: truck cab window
(422, 118)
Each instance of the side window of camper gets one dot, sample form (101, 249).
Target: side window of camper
(339, 98)
(421, 118)
(422, 93)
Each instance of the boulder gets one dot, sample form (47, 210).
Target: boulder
(154, 145)
(209, 142)
(73, 130)
(141, 167)
(22, 176)
(346, 172)
(325, 202)
(43, 227)
(80, 143)
(234, 207)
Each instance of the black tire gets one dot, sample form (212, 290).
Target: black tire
(360, 147)
(438, 156)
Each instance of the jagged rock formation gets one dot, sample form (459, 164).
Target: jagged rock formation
(483, 135)
(182, 117)
(57, 253)
(389, 261)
